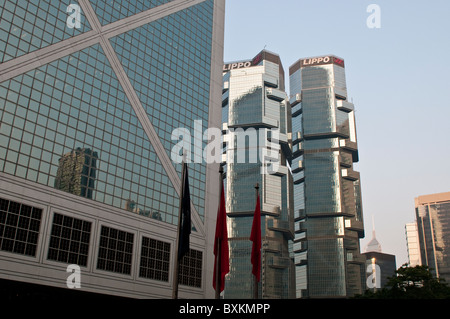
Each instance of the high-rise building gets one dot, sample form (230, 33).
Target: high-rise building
(380, 266)
(115, 78)
(256, 120)
(412, 244)
(433, 226)
(328, 210)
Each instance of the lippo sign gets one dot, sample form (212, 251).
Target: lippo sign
(322, 60)
(237, 65)
(243, 64)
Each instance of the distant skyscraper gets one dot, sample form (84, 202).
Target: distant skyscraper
(116, 78)
(373, 244)
(412, 242)
(433, 225)
(254, 107)
(379, 266)
(327, 194)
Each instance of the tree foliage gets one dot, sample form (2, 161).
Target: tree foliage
(411, 283)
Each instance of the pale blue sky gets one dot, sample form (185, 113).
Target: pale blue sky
(398, 77)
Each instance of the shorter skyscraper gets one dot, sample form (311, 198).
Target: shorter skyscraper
(379, 266)
(433, 226)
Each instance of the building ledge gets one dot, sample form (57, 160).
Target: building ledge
(350, 174)
(345, 106)
(279, 262)
(275, 94)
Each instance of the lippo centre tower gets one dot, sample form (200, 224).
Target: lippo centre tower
(256, 118)
(327, 196)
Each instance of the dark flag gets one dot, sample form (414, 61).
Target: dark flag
(184, 227)
(255, 237)
(221, 262)
(185, 216)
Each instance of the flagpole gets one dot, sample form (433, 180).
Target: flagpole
(255, 288)
(218, 269)
(177, 261)
(221, 250)
(219, 243)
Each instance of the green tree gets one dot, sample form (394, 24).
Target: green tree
(411, 283)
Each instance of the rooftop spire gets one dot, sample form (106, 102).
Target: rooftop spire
(373, 245)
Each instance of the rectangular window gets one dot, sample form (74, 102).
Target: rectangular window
(115, 250)
(155, 259)
(69, 240)
(190, 273)
(19, 227)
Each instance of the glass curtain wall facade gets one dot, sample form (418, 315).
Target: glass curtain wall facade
(90, 93)
(327, 209)
(433, 226)
(412, 244)
(380, 262)
(254, 107)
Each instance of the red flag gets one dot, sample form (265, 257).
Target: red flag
(255, 237)
(221, 240)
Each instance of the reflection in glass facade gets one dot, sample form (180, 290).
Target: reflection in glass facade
(76, 172)
(52, 115)
(254, 103)
(433, 227)
(87, 113)
(327, 195)
(77, 102)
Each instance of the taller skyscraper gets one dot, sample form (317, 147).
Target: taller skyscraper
(257, 121)
(116, 78)
(433, 226)
(328, 211)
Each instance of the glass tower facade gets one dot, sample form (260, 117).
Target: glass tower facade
(257, 120)
(90, 93)
(380, 267)
(433, 227)
(412, 244)
(327, 196)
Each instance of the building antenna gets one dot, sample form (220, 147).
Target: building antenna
(373, 226)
